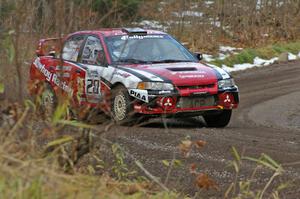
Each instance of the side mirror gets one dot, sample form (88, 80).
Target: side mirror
(48, 47)
(39, 51)
(198, 56)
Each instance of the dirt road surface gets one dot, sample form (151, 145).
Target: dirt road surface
(267, 121)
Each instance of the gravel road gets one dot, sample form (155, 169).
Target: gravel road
(267, 121)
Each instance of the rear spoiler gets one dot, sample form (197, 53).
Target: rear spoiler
(48, 46)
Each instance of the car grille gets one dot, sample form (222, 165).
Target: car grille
(195, 102)
(196, 86)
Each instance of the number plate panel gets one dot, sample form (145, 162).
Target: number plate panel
(194, 102)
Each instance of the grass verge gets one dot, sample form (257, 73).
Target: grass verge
(32, 181)
(247, 55)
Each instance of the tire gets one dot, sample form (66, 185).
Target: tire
(121, 106)
(220, 120)
(48, 102)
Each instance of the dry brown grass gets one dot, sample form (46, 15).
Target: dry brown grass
(42, 159)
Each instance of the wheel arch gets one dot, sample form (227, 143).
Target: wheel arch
(117, 84)
(120, 84)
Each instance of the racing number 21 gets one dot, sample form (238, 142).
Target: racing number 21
(93, 86)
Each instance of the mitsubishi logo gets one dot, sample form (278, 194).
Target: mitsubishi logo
(227, 99)
(168, 103)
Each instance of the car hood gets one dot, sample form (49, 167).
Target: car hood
(180, 74)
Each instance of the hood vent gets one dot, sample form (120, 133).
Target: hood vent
(182, 69)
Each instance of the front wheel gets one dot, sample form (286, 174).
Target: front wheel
(220, 120)
(121, 106)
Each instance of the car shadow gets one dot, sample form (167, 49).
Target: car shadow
(185, 123)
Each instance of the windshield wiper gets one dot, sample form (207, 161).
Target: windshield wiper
(171, 61)
(133, 61)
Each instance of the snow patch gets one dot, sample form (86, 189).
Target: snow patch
(292, 57)
(225, 52)
(257, 62)
(263, 62)
(188, 13)
(222, 56)
(151, 24)
(238, 67)
(243, 66)
(194, 6)
(209, 2)
(229, 49)
(208, 58)
(258, 5)
(216, 23)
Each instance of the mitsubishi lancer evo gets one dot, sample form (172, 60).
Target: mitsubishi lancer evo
(132, 72)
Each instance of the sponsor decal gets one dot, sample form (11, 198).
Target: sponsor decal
(126, 37)
(66, 75)
(64, 68)
(139, 94)
(164, 92)
(61, 84)
(52, 77)
(93, 73)
(188, 74)
(191, 76)
(124, 75)
(43, 70)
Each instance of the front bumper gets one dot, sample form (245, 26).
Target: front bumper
(173, 103)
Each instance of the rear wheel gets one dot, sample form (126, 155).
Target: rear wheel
(48, 101)
(121, 106)
(219, 120)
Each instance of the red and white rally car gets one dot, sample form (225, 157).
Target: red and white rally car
(129, 72)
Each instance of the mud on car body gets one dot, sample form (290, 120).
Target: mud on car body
(129, 72)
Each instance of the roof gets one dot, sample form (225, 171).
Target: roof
(115, 31)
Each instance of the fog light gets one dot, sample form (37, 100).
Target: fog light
(226, 100)
(167, 103)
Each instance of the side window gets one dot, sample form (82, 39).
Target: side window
(72, 47)
(93, 52)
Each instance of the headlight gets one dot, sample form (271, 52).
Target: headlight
(226, 83)
(155, 86)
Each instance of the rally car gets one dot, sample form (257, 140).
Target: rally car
(131, 72)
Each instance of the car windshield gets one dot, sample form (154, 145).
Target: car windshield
(147, 49)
